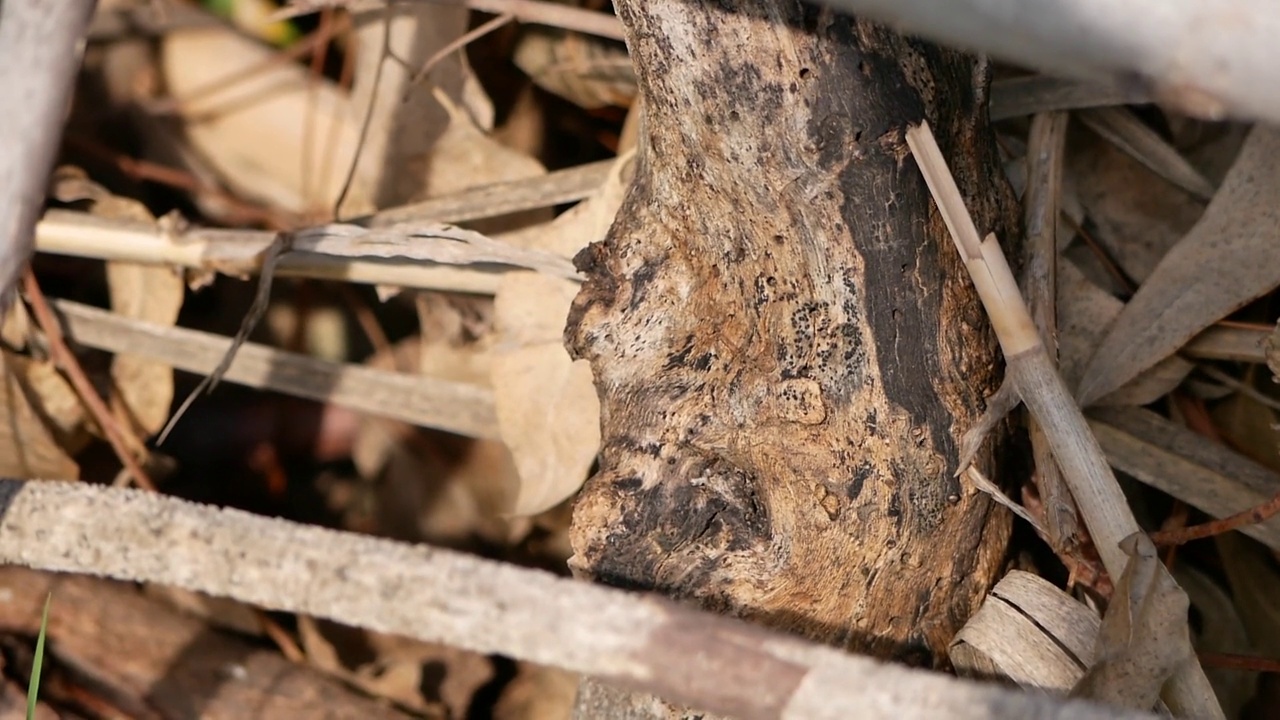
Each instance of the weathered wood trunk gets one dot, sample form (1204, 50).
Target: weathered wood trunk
(785, 343)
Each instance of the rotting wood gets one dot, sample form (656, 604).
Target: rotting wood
(785, 345)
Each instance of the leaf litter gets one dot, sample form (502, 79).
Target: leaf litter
(1144, 267)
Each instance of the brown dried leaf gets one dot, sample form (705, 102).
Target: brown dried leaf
(1085, 312)
(1123, 129)
(1144, 636)
(1220, 630)
(29, 446)
(548, 412)
(1137, 216)
(1229, 258)
(153, 293)
(252, 132)
(588, 71)
(1254, 578)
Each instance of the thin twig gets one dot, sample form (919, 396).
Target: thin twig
(460, 42)
(416, 399)
(66, 361)
(257, 310)
(1239, 662)
(1254, 515)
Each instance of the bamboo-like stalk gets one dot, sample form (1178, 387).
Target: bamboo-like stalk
(1036, 381)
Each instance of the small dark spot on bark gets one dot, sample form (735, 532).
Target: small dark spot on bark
(805, 73)
(703, 361)
(859, 479)
(631, 483)
(678, 359)
(640, 281)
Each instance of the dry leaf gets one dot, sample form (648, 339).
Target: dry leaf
(1221, 630)
(254, 132)
(588, 71)
(1144, 636)
(548, 411)
(1136, 216)
(1230, 257)
(152, 293)
(29, 448)
(1085, 312)
(1124, 130)
(406, 117)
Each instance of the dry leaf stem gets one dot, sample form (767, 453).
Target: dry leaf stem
(66, 360)
(1037, 382)
(646, 643)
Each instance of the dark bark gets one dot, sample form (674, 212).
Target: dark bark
(785, 343)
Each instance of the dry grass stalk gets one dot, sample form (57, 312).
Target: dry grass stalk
(1036, 381)
(428, 402)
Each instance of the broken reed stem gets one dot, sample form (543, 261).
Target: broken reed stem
(1084, 468)
(67, 362)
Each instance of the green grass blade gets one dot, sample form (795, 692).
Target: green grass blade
(33, 690)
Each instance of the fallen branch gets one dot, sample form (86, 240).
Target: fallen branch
(39, 55)
(1210, 58)
(647, 643)
(429, 402)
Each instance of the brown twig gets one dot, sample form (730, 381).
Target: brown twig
(66, 361)
(1240, 662)
(460, 42)
(1257, 514)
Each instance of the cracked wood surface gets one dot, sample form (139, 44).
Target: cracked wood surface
(785, 345)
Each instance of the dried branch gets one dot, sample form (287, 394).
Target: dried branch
(429, 402)
(647, 643)
(39, 54)
(1210, 58)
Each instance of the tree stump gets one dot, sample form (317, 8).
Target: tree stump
(785, 343)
